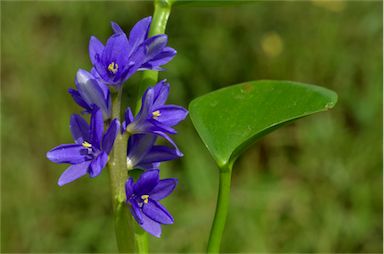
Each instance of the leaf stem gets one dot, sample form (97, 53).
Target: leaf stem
(221, 212)
(159, 23)
(118, 175)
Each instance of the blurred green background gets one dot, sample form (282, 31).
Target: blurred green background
(312, 186)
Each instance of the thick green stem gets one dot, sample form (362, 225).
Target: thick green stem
(118, 175)
(159, 23)
(221, 210)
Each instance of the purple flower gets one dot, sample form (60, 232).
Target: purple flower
(90, 93)
(121, 57)
(143, 197)
(155, 117)
(144, 154)
(90, 152)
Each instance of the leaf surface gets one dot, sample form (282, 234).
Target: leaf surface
(230, 119)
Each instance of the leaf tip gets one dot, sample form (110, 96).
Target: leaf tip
(332, 102)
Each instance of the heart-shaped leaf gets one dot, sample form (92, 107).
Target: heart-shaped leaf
(230, 119)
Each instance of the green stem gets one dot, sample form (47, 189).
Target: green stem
(221, 210)
(118, 175)
(141, 240)
(159, 23)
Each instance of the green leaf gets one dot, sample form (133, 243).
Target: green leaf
(230, 119)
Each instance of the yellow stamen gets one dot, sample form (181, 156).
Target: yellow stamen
(113, 67)
(156, 114)
(145, 198)
(86, 144)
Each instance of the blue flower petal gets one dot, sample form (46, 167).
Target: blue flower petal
(157, 212)
(136, 212)
(136, 59)
(140, 124)
(73, 172)
(165, 56)
(155, 45)
(139, 33)
(148, 166)
(128, 116)
(78, 99)
(164, 188)
(115, 47)
(162, 134)
(108, 100)
(79, 128)
(159, 154)
(98, 164)
(129, 188)
(171, 115)
(93, 92)
(148, 66)
(95, 48)
(151, 226)
(103, 87)
(161, 91)
(67, 153)
(147, 103)
(146, 182)
(116, 28)
(97, 126)
(114, 53)
(138, 147)
(159, 126)
(110, 136)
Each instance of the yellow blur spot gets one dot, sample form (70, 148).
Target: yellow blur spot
(272, 44)
(332, 5)
(129, 164)
(113, 67)
(86, 144)
(156, 114)
(145, 198)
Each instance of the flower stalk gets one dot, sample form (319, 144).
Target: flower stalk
(141, 240)
(221, 212)
(118, 175)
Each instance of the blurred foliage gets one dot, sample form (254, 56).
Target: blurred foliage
(313, 186)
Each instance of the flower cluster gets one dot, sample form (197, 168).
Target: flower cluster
(113, 63)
